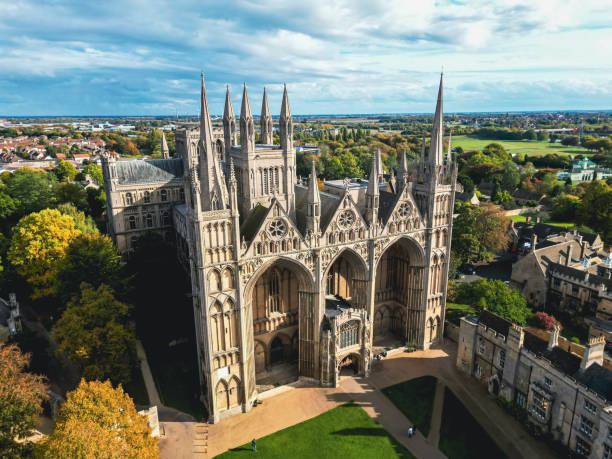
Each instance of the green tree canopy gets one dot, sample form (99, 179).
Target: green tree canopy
(72, 193)
(95, 333)
(90, 258)
(32, 189)
(596, 209)
(65, 171)
(85, 224)
(495, 296)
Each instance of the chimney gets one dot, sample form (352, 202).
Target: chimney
(528, 220)
(560, 257)
(534, 241)
(568, 257)
(537, 219)
(579, 239)
(593, 352)
(511, 224)
(553, 340)
(582, 247)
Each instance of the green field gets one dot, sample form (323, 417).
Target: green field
(454, 312)
(530, 147)
(346, 431)
(523, 218)
(414, 398)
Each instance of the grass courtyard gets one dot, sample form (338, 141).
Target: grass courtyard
(414, 399)
(461, 437)
(530, 147)
(455, 311)
(345, 431)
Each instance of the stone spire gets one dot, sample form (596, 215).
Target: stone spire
(286, 123)
(402, 169)
(213, 189)
(266, 121)
(379, 169)
(165, 151)
(247, 128)
(436, 147)
(233, 185)
(372, 194)
(314, 203)
(229, 123)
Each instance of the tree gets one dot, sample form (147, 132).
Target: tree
(495, 296)
(8, 206)
(564, 207)
(21, 395)
(497, 152)
(510, 175)
(96, 421)
(570, 140)
(95, 173)
(546, 321)
(596, 209)
(39, 241)
(89, 258)
(65, 171)
(96, 201)
(94, 332)
(72, 193)
(85, 224)
(32, 189)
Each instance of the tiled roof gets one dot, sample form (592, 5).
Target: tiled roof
(497, 323)
(150, 170)
(561, 359)
(598, 379)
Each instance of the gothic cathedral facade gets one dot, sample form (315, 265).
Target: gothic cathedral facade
(290, 282)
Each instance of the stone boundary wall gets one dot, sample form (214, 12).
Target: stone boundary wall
(564, 343)
(521, 211)
(451, 331)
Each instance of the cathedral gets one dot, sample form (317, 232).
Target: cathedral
(290, 282)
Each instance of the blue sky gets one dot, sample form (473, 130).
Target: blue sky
(144, 57)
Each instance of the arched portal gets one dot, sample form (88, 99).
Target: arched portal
(281, 299)
(398, 309)
(347, 278)
(220, 150)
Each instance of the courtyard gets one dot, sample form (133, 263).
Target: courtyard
(297, 417)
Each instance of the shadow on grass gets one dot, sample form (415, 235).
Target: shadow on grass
(364, 431)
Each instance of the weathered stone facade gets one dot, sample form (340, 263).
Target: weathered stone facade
(567, 396)
(290, 282)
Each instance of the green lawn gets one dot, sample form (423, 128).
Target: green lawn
(344, 432)
(454, 312)
(523, 218)
(461, 437)
(414, 398)
(530, 147)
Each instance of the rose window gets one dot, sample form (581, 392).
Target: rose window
(346, 219)
(277, 229)
(404, 210)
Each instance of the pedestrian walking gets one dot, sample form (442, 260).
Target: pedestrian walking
(409, 432)
(413, 429)
(254, 445)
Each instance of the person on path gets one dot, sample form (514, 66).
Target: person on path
(409, 432)
(254, 445)
(413, 429)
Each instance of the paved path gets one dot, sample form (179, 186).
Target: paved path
(298, 404)
(154, 399)
(393, 420)
(436, 414)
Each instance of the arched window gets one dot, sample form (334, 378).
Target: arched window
(349, 334)
(164, 195)
(129, 200)
(274, 292)
(132, 222)
(147, 197)
(165, 218)
(182, 194)
(149, 220)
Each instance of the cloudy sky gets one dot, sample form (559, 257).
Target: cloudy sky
(143, 57)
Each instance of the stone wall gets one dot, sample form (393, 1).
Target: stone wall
(451, 331)
(522, 211)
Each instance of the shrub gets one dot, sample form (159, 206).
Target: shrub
(575, 339)
(546, 321)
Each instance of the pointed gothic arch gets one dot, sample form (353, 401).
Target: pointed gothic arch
(347, 276)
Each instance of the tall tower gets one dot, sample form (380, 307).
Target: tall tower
(229, 124)
(247, 128)
(266, 121)
(165, 151)
(285, 124)
(313, 213)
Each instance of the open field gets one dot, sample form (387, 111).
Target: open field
(530, 147)
(523, 219)
(346, 431)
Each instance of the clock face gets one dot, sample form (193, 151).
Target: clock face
(346, 219)
(277, 228)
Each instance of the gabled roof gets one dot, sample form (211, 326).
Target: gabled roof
(251, 224)
(149, 170)
(497, 323)
(330, 209)
(561, 359)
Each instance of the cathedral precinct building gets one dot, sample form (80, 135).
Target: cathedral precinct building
(289, 282)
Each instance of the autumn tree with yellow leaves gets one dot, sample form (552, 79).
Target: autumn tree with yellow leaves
(98, 421)
(39, 241)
